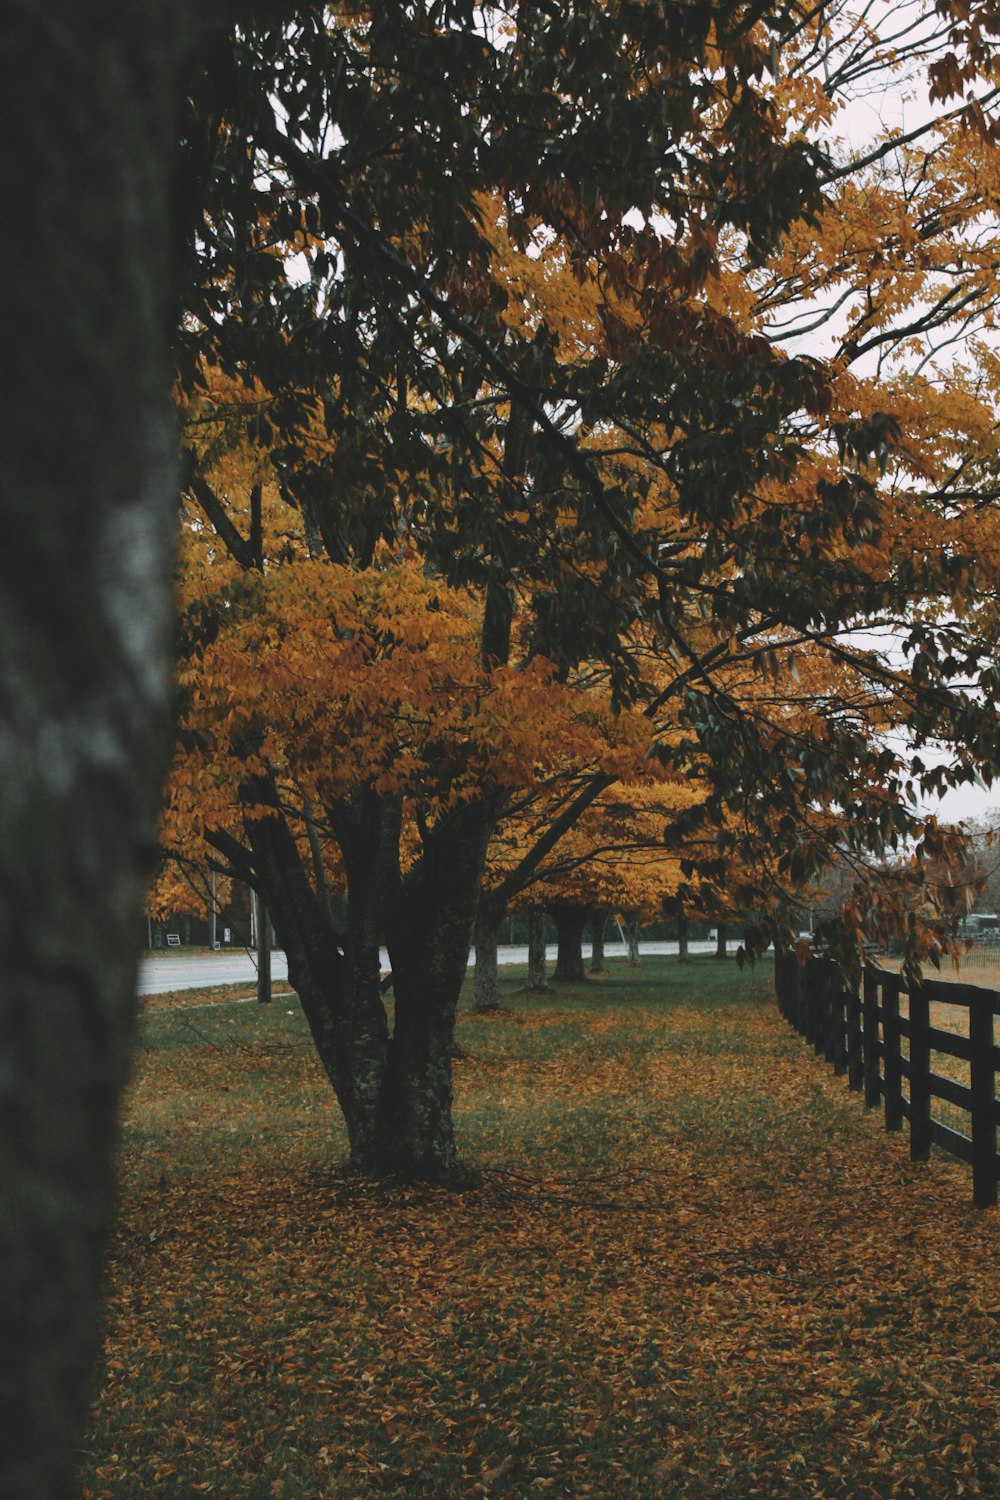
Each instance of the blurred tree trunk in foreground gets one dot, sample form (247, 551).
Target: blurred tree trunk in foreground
(87, 504)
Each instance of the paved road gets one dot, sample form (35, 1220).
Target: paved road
(178, 972)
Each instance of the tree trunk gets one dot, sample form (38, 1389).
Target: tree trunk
(720, 941)
(632, 932)
(487, 981)
(598, 920)
(429, 933)
(316, 851)
(395, 1092)
(263, 952)
(335, 975)
(682, 936)
(570, 922)
(87, 511)
(537, 980)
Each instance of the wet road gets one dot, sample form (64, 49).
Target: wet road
(183, 972)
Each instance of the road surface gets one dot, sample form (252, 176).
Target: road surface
(179, 972)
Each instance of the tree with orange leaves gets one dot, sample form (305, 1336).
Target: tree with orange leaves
(566, 407)
(613, 858)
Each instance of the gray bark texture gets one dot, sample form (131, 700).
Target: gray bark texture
(88, 511)
(682, 936)
(598, 922)
(487, 977)
(536, 949)
(633, 930)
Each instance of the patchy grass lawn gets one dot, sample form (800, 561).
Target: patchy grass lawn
(696, 1268)
(215, 994)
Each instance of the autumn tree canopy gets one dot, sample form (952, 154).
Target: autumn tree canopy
(498, 407)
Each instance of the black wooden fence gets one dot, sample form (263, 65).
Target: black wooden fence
(861, 1033)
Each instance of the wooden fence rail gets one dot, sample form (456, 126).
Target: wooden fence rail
(862, 1034)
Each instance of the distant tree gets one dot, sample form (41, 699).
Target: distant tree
(597, 922)
(612, 858)
(984, 864)
(536, 950)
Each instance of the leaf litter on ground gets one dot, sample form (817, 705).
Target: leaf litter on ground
(694, 1266)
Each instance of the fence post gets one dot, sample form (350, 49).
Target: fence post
(983, 1083)
(781, 985)
(870, 1032)
(817, 1004)
(801, 998)
(892, 1036)
(828, 1007)
(920, 1075)
(838, 1020)
(854, 1050)
(807, 991)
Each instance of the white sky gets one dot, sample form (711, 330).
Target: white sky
(970, 802)
(903, 107)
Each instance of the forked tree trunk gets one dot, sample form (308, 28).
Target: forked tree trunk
(570, 922)
(598, 920)
(537, 976)
(395, 1091)
(335, 975)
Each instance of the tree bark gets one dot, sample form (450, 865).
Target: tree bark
(336, 976)
(263, 952)
(632, 932)
(487, 978)
(598, 922)
(316, 852)
(88, 511)
(570, 922)
(682, 936)
(720, 941)
(429, 933)
(395, 1091)
(537, 977)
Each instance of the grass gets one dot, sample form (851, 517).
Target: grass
(954, 1018)
(214, 994)
(696, 1267)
